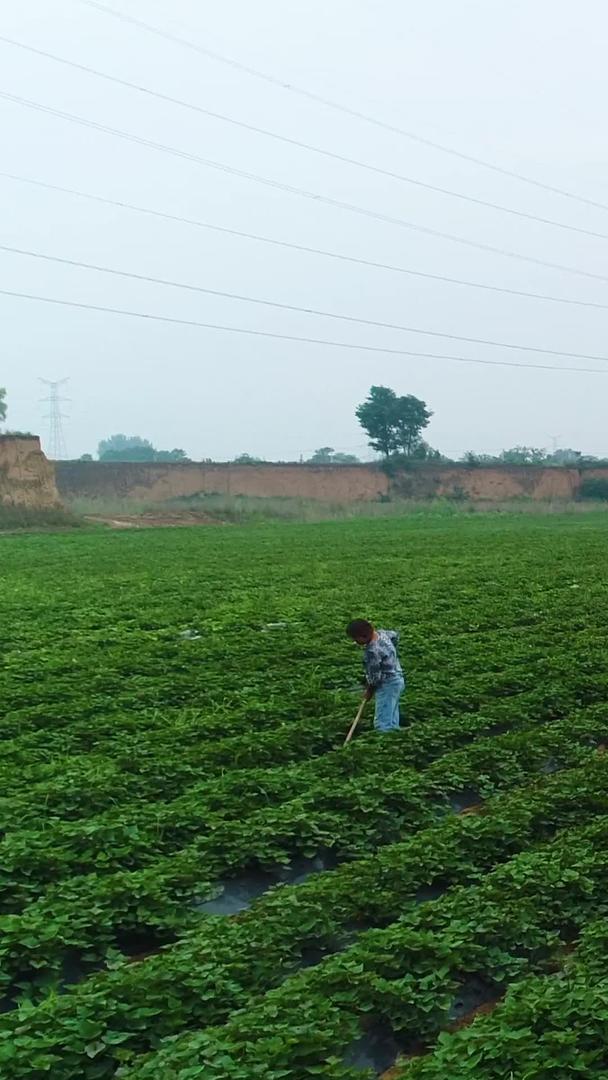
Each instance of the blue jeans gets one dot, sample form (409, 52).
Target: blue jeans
(387, 703)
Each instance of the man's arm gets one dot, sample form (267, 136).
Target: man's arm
(373, 671)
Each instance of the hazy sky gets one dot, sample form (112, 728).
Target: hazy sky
(521, 84)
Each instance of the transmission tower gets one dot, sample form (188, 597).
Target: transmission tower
(554, 441)
(57, 449)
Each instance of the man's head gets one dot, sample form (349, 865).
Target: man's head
(360, 631)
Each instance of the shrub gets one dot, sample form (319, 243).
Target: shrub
(595, 487)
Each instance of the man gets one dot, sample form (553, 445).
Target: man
(383, 672)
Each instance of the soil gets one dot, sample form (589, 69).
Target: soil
(240, 892)
(474, 994)
(467, 799)
(465, 1021)
(27, 479)
(431, 892)
(377, 1049)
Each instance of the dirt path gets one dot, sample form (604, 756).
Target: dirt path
(152, 521)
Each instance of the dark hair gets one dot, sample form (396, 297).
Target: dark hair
(359, 628)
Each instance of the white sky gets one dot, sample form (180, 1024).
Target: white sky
(521, 84)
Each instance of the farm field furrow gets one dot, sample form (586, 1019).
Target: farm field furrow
(252, 954)
(89, 915)
(554, 1024)
(510, 925)
(103, 847)
(83, 785)
(198, 880)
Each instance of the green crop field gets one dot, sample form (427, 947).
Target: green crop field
(198, 882)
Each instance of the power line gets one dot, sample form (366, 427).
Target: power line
(333, 155)
(330, 104)
(378, 324)
(290, 189)
(153, 317)
(324, 252)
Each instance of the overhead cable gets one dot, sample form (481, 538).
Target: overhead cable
(333, 155)
(376, 323)
(290, 189)
(347, 345)
(164, 215)
(328, 103)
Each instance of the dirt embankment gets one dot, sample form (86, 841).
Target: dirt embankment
(486, 483)
(158, 483)
(27, 478)
(155, 483)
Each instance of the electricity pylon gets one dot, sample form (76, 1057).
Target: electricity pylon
(57, 449)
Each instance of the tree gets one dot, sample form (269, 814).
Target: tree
(134, 448)
(377, 417)
(326, 455)
(393, 423)
(345, 459)
(2, 403)
(517, 455)
(411, 418)
(132, 453)
(323, 456)
(424, 452)
(523, 455)
(531, 455)
(85, 457)
(171, 455)
(471, 458)
(109, 449)
(247, 459)
(566, 456)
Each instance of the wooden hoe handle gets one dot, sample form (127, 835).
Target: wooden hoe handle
(355, 721)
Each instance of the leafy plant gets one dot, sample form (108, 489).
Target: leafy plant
(174, 709)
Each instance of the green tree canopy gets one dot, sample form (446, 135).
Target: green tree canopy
(134, 448)
(523, 455)
(529, 455)
(393, 423)
(171, 455)
(377, 417)
(322, 456)
(340, 458)
(326, 455)
(424, 452)
(566, 456)
(411, 418)
(109, 448)
(247, 459)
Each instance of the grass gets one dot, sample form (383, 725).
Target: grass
(22, 517)
(244, 509)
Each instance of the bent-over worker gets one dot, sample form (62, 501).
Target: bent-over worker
(383, 672)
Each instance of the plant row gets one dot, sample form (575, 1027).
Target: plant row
(160, 766)
(351, 814)
(226, 964)
(120, 733)
(551, 1027)
(93, 624)
(478, 672)
(87, 784)
(134, 833)
(407, 975)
